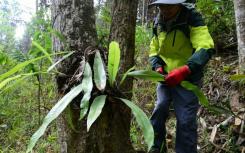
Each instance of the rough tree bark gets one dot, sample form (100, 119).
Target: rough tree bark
(239, 6)
(123, 31)
(111, 132)
(76, 21)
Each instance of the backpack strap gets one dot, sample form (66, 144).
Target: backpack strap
(155, 25)
(182, 23)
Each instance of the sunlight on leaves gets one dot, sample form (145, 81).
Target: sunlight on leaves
(113, 61)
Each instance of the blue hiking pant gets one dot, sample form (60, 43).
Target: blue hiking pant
(185, 105)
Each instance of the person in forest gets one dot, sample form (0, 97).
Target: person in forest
(180, 48)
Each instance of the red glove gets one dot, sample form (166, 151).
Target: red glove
(159, 70)
(175, 76)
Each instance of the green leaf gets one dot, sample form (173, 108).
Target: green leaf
(68, 113)
(8, 80)
(84, 106)
(22, 65)
(34, 43)
(99, 72)
(3, 58)
(19, 67)
(238, 77)
(125, 74)
(197, 91)
(56, 63)
(87, 81)
(113, 61)
(87, 84)
(53, 114)
(15, 83)
(147, 75)
(95, 110)
(4, 82)
(219, 110)
(142, 121)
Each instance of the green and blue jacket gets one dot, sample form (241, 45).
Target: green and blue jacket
(184, 41)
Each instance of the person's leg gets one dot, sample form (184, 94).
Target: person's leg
(186, 106)
(159, 116)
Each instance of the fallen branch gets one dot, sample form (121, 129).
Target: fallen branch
(219, 147)
(223, 146)
(241, 137)
(215, 128)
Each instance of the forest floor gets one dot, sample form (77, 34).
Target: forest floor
(217, 133)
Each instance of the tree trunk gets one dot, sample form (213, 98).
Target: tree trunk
(75, 19)
(111, 131)
(239, 6)
(123, 31)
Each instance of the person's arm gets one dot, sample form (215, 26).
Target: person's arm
(201, 41)
(204, 48)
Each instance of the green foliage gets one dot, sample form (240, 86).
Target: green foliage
(53, 114)
(98, 103)
(87, 83)
(142, 121)
(22, 65)
(95, 110)
(9, 13)
(113, 62)
(18, 62)
(41, 32)
(125, 74)
(56, 63)
(103, 22)
(219, 16)
(154, 76)
(238, 77)
(6, 81)
(3, 58)
(105, 15)
(142, 39)
(87, 79)
(147, 75)
(84, 106)
(195, 89)
(19, 67)
(99, 72)
(42, 50)
(18, 112)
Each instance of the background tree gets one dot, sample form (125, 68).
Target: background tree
(78, 27)
(240, 24)
(9, 19)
